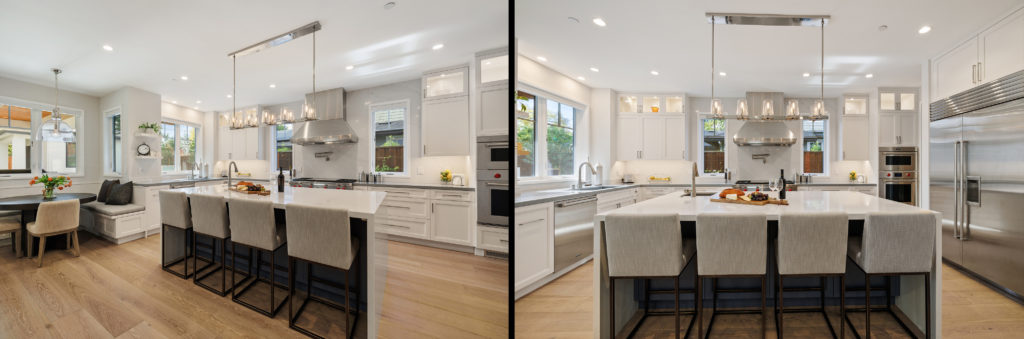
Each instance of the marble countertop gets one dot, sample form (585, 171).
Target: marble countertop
(162, 181)
(415, 185)
(360, 204)
(538, 197)
(854, 204)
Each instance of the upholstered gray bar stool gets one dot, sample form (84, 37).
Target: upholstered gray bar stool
(811, 245)
(175, 213)
(252, 225)
(647, 247)
(731, 245)
(322, 236)
(894, 244)
(210, 219)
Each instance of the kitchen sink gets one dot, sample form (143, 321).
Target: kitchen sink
(592, 188)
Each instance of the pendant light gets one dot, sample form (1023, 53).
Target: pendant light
(55, 129)
(309, 110)
(741, 109)
(716, 105)
(793, 109)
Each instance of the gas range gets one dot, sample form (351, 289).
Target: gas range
(760, 184)
(338, 184)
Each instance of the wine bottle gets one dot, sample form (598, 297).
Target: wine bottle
(280, 179)
(782, 181)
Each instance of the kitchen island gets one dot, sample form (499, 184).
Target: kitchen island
(909, 291)
(362, 207)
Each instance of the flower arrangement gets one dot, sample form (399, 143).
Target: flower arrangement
(49, 183)
(150, 125)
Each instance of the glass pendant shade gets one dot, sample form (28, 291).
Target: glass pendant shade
(716, 108)
(767, 111)
(819, 108)
(287, 116)
(793, 109)
(56, 130)
(741, 108)
(269, 119)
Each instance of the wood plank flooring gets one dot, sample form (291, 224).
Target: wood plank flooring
(119, 291)
(563, 309)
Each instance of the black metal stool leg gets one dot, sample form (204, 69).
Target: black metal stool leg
(611, 307)
(867, 306)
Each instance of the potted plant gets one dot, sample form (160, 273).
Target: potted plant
(149, 126)
(49, 183)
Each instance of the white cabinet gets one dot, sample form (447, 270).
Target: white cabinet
(897, 99)
(854, 132)
(445, 127)
(647, 193)
(149, 196)
(652, 103)
(994, 53)
(897, 129)
(238, 144)
(492, 238)
(446, 83)
(494, 108)
(955, 71)
(534, 243)
(451, 222)
(651, 137)
(617, 199)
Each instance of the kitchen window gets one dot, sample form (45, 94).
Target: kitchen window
(545, 137)
(389, 128)
(283, 145)
(814, 146)
(112, 148)
(18, 122)
(179, 143)
(713, 152)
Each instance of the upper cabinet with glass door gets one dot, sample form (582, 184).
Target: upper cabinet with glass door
(897, 100)
(493, 66)
(855, 104)
(652, 103)
(446, 83)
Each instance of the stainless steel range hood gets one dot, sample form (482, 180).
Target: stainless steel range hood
(332, 128)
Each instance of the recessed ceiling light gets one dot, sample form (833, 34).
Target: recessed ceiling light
(108, 48)
(273, 86)
(924, 29)
(541, 58)
(654, 73)
(806, 74)
(199, 101)
(600, 22)
(183, 77)
(721, 73)
(349, 67)
(438, 46)
(594, 69)
(229, 96)
(174, 102)
(869, 75)
(581, 78)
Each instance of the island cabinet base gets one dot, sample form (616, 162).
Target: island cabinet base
(886, 292)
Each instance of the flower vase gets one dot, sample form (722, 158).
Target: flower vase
(48, 194)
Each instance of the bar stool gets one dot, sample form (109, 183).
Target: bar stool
(175, 213)
(894, 244)
(321, 236)
(210, 219)
(731, 245)
(811, 244)
(647, 247)
(252, 225)
(11, 223)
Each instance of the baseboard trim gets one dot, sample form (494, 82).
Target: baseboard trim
(429, 243)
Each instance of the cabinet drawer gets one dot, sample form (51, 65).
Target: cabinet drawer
(404, 208)
(404, 192)
(616, 195)
(491, 238)
(409, 228)
(452, 195)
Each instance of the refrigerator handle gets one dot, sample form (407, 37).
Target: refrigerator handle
(965, 216)
(956, 190)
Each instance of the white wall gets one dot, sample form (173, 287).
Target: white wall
(137, 106)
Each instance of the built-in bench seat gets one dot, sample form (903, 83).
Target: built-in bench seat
(116, 223)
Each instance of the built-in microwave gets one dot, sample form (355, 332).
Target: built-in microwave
(493, 152)
(897, 159)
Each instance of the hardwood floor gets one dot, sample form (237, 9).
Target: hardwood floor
(563, 309)
(119, 291)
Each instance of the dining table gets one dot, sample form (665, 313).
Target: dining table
(29, 204)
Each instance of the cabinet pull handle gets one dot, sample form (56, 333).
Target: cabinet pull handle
(980, 72)
(397, 206)
(503, 241)
(530, 222)
(974, 73)
(399, 226)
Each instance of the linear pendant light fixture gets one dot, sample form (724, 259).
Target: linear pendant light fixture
(308, 110)
(767, 112)
(56, 129)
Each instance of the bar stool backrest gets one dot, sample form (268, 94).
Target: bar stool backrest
(56, 216)
(252, 223)
(174, 209)
(644, 245)
(210, 215)
(898, 242)
(812, 243)
(732, 244)
(320, 235)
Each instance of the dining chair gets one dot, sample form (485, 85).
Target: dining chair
(55, 218)
(11, 224)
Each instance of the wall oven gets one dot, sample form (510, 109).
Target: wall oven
(494, 197)
(493, 152)
(898, 187)
(897, 159)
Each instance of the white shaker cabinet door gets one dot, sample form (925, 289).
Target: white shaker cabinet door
(675, 138)
(534, 243)
(494, 110)
(1002, 48)
(629, 138)
(907, 127)
(956, 71)
(887, 129)
(445, 128)
(452, 222)
(855, 132)
(653, 139)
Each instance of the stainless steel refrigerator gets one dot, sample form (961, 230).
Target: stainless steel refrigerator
(976, 169)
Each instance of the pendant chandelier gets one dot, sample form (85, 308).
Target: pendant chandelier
(767, 109)
(55, 129)
(266, 117)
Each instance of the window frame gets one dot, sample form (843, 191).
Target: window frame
(406, 137)
(540, 118)
(273, 145)
(36, 153)
(725, 145)
(108, 143)
(177, 143)
(824, 147)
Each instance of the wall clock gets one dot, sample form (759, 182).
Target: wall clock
(143, 149)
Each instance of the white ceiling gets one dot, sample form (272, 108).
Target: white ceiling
(157, 41)
(674, 38)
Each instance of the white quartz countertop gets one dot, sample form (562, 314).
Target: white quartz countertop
(854, 204)
(360, 204)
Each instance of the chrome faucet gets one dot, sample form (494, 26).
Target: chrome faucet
(693, 181)
(579, 174)
(229, 172)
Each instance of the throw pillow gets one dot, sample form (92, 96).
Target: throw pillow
(105, 189)
(121, 194)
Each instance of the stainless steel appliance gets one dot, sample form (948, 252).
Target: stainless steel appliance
(493, 197)
(897, 159)
(574, 230)
(493, 152)
(335, 184)
(898, 186)
(976, 179)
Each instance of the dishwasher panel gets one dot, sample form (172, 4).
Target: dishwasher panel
(574, 230)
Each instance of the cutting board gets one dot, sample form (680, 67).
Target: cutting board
(250, 192)
(757, 203)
